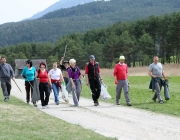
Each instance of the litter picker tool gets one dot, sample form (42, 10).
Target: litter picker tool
(65, 49)
(16, 85)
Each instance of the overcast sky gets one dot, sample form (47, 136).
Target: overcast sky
(16, 10)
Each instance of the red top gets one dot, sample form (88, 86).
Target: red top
(121, 70)
(87, 70)
(43, 76)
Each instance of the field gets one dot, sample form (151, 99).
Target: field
(20, 121)
(140, 94)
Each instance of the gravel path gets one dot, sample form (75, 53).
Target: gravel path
(124, 123)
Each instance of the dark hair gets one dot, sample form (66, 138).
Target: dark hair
(42, 63)
(29, 62)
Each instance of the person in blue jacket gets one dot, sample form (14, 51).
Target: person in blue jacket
(29, 73)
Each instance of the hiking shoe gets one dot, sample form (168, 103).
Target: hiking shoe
(154, 99)
(76, 105)
(35, 105)
(128, 104)
(27, 102)
(161, 102)
(57, 103)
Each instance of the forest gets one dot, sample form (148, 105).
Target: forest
(82, 18)
(138, 41)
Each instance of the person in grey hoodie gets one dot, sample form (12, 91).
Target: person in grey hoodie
(6, 73)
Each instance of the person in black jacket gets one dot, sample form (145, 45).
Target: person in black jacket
(93, 78)
(64, 65)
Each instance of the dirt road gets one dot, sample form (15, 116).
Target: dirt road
(124, 123)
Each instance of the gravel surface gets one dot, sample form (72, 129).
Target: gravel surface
(122, 122)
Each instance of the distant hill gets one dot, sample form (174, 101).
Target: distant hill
(58, 5)
(81, 18)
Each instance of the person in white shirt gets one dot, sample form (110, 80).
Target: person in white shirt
(56, 77)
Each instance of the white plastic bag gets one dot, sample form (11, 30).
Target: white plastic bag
(64, 93)
(104, 93)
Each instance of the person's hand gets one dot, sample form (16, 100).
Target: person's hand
(23, 76)
(165, 79)
(13, 78)
(116, 82)
(87, 83)
(73, 86)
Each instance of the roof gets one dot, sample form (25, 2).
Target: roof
(21, 63)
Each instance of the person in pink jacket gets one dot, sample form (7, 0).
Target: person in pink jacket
(121, 79)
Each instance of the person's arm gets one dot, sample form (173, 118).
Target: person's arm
(12, 72)
(86, 74)
(49, 78)
(70, 78)
(164, 75)
(115, 75)
(61, 61)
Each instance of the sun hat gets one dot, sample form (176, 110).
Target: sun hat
(122, 57)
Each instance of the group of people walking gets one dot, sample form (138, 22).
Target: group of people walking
(69, 74)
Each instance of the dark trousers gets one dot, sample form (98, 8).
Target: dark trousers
(95, 87)
(6, 87)
(44, 88)
(29, 85)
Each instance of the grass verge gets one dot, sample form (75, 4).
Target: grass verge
(141, 95)
(20, 121)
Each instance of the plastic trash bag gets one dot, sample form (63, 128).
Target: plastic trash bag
(36, 93)
(166, 90)
(64, 93)
(104, 92)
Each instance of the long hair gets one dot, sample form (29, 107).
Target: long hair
(29, 62)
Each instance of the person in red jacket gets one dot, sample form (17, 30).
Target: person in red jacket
(121, 79)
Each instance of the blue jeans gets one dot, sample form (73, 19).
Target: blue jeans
(56, 92)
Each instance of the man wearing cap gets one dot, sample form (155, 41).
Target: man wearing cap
(121, 79)
(64, 65)
(93, 78)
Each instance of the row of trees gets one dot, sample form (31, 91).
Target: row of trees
(138, 41)
(81, 18)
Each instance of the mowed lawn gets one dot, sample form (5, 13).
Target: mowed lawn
(20, 121)
(141, 95)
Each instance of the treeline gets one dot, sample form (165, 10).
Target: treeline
(138, 41)
(81, 18)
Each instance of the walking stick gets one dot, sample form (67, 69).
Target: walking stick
(16, 84)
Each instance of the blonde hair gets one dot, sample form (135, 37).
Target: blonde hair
(71, 61)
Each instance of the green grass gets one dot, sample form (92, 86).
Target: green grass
(141, 95)
(20, 121)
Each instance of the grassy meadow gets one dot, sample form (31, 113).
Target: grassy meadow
(20, 121)
(141, 95)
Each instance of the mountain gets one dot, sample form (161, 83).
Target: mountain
(58, 5)
(81, 18)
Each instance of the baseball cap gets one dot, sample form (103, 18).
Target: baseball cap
(92, 57)
(121, 57)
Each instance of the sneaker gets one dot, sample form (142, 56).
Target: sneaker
(43, 107)
(34, 103)
(46, 106)
(161, 102)
(95, 104)
(76, 105)
(6, 99)
(117, 103)
(128, 104)
(27, 102)
(154, 99)
(57, 103)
